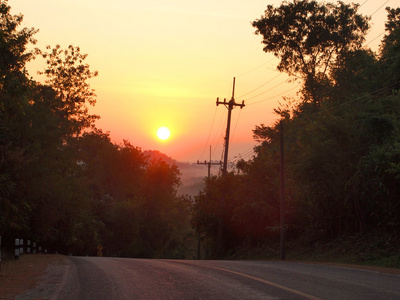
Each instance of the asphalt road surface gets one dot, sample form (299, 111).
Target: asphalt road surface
(119, 278)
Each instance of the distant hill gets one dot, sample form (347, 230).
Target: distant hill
(157, 155)
(192, 174)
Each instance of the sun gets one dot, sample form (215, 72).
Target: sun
(163, 133)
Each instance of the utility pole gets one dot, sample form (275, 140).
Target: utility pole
(208, 164)
(282, 194)
(229, 105)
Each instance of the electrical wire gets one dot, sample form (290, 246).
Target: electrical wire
(249, 152)
(379, 8)
(274, 96)
(374, 38)
(275, 86)
(363, 3)
(367, 95)
(218, 133)
(209, 133)
(252, 70)
(280, 73)
(237, 121)
(245, 154)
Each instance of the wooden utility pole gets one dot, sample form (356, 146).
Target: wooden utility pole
(208, 164)
(229, 105)
(282, 192)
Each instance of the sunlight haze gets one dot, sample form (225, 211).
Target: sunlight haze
(164, 63)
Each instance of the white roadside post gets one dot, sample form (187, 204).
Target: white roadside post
(21, 246)
(28, 247)
(16, 253)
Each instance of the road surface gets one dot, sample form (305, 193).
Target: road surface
(120, 278)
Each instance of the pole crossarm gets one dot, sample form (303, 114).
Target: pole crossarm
(230, 104)
(209, 163)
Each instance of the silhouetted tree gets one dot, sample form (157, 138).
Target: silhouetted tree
(308, 37)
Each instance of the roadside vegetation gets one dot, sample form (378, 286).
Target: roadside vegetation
(341, 141)
(66, 185)
(63, 183)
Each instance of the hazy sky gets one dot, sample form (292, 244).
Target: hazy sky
(164, 63)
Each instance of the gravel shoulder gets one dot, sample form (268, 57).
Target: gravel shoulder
(32, 277)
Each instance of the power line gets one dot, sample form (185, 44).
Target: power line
(274, 96)
(280, 73)
(363, 3)
(358, 99)
(252, 70)
(379, 8)
(299, 86)
(219, 133)
(367, 95)
(249, 150)
(244, 156)
(208, 138)
(375, 38)
(247, 153)
(275, 86)
(237, 121)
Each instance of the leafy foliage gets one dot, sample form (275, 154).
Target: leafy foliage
(67, 75)
(308, 36)
(341, 160)
(68, 187)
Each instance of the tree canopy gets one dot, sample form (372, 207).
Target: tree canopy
(341, 160)
(308, 36)
(63, 183)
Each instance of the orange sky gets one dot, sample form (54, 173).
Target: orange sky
(164, 63)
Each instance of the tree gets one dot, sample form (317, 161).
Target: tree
(13, 46)
(390, 50)
(73, 189)
(355, 75)
(67, 75)
(160, 186)
(14, 108)
(308, 37)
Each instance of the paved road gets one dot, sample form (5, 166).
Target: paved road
(118, 278)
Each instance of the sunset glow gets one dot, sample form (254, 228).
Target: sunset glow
(164, 63)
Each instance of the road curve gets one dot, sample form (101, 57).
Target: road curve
(120, 278)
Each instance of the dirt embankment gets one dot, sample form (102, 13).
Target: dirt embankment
(19, 276)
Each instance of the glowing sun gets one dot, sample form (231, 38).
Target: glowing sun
(163, 133)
